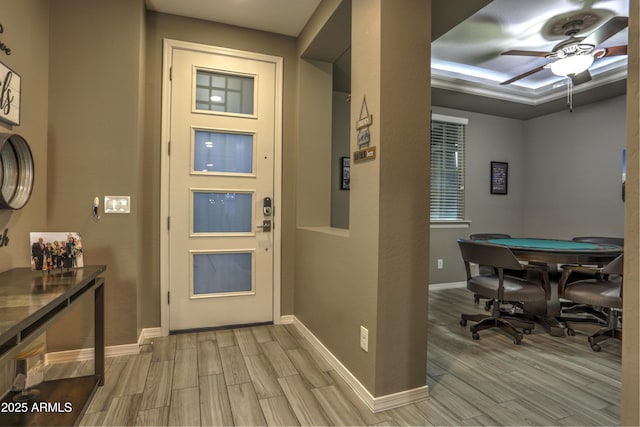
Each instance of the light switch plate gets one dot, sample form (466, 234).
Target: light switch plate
(117, 204)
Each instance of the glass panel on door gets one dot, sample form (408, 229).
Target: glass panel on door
(222, 273)
(216, 152)
(228, 93)
(222, 212)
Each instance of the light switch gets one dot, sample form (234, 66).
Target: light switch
(117, 204)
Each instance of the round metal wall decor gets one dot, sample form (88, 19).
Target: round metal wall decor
(16, 171)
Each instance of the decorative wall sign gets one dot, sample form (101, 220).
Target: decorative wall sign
(363, 137)
(363, 123)
(4, 239)
(3, 47)
(9, 95)
(368, 153)
(499, 177)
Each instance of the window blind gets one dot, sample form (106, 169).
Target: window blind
(447, 168)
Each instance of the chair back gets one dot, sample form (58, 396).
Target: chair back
(488, 254)
(618, 241)
(614, 267)
(487, 236)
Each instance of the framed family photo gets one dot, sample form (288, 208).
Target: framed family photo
(55, 250)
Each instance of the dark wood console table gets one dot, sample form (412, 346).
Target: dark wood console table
(30, 301)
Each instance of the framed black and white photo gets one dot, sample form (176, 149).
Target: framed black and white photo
(345, 173)
(499, 177)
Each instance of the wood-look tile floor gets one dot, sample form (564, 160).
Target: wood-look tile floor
(269, 375)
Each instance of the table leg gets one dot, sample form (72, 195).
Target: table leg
(545, 313)
(99, 331)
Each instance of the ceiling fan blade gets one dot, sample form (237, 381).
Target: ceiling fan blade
(615, 51)
(525, 53)
(608, 29)
(523, 75)
(580, 78)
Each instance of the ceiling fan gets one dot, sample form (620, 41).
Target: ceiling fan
(574, 56)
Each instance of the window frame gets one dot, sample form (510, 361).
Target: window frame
(437, 201)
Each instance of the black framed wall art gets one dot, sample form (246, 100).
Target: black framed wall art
(345, 173)
(499, 177)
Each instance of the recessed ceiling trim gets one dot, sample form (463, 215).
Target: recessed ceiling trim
(526, 96)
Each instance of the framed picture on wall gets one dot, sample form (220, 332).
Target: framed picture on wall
(345, 174)
(499, 177)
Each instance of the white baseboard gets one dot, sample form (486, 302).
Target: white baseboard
(111, 351)
(88, 353)
(149, 333)
(287, 319)
(376, 404)
(450, 285)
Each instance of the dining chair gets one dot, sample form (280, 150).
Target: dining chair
(502, 288)
(569, 306)
(486, 269)
(603, 289)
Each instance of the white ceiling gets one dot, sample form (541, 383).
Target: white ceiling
(467, 65)
(286, 17)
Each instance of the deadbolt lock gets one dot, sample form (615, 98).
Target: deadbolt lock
(266, 225)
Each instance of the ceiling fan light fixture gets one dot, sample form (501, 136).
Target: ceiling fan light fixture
(571, 65)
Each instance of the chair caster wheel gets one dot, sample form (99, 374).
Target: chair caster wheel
(487, 305)
(476, 300)
(475, 336)
(571, 332)
(518, 339)
(463, 322)
(527, 331)
(596, 347)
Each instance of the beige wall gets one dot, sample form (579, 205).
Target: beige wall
(94, 150)
(314, 143)
(375, 274)
(404, 189)
(340, 129)
(336, 270)
(26, 32)
(631, 290)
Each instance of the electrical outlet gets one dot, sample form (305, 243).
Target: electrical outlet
(364, 338)
(440, 264)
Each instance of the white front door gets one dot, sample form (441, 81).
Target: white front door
(224, 114)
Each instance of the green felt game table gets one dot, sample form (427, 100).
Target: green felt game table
(559, 251)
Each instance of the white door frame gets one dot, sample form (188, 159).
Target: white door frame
(168, 46)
